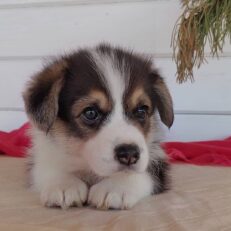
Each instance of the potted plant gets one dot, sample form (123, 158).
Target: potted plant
(202, 22)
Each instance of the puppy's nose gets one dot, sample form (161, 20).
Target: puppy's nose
(127, 154)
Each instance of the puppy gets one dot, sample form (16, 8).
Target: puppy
(95, 129)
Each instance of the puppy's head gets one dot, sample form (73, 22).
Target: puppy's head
(101, 104)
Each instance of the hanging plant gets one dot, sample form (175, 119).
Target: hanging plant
(202, 22)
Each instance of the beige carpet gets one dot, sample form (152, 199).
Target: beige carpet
(200, 199)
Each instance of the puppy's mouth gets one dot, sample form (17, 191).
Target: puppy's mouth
(120, 167)
(123, 168)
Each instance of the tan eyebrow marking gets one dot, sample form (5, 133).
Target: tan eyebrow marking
(94, 97)
(137, 97)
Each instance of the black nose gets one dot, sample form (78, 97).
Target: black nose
(127, 154)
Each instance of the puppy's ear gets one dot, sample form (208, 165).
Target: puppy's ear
(42, 93)
(162, 99)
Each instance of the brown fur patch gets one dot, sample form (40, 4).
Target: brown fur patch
(60, 128)
(95, 97)
(41, 95)
(162, 99)
(139, 97)
(135, 99)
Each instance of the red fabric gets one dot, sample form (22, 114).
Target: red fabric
(216, 152)
(14, 143)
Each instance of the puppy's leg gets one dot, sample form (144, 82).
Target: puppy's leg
(66, 193)
(158, 170)
(57, 187)
(121, 191)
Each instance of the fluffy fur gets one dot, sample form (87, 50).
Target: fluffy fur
(84, 106)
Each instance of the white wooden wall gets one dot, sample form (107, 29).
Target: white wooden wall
(32, 30)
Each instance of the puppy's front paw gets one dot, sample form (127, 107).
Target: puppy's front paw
(66, 194)
(118, 193)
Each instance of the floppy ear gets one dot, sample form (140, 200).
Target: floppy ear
(42, 93)
(162, 99)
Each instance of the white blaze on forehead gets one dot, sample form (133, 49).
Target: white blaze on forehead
(114, 77)
(118, 130)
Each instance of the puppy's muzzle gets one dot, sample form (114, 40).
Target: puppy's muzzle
(127, 154)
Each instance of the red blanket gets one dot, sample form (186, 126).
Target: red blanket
(14, 143)
(217, 152)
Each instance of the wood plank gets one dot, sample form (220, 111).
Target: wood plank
(36, 3)
(199, 127)
(139, 25)
(51, 30)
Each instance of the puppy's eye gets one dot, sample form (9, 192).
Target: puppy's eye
(91, 115)
(141, 112)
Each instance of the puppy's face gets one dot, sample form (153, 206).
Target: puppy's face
(102, 104)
